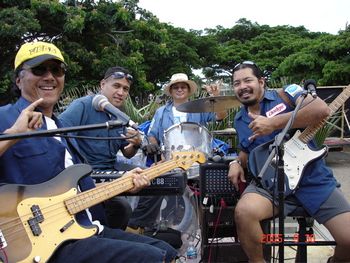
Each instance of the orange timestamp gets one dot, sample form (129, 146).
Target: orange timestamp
(278, 238)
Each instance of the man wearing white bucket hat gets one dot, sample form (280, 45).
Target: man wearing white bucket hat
(180, 88)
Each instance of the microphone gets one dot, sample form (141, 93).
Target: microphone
(101, 103)
(310, 86)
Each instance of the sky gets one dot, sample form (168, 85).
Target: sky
(315, 15)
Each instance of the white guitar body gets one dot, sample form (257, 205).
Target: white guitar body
(297, 155)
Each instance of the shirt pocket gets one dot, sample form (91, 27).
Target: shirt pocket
(32, 160)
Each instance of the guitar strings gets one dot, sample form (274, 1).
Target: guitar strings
(47, 210)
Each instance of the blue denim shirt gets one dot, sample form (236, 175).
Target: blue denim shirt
(37, 159)
(317, 182)
(100, 154)
(164, 118)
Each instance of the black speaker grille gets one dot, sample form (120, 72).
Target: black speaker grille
(215, 185)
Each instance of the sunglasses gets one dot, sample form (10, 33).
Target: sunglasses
(245, 63)
(121, 75)
(57, 70)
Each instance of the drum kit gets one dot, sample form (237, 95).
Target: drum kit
(190, 136)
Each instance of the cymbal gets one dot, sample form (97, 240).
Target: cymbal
(210, 104)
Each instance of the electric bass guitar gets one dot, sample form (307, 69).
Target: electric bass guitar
(36, 219)
(296, 154)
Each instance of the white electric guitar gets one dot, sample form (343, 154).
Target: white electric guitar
(297, 154)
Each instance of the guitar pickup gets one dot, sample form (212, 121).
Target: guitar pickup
(34, 226)
(3, 242)
(37, 213)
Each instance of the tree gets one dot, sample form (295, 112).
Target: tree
(95, 35)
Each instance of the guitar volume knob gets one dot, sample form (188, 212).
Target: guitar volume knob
(37, 259)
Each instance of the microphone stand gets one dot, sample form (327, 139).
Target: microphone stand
(275, 148)
(54, 132)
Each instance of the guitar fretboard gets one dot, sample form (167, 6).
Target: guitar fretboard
(104, 192)
(311, 130)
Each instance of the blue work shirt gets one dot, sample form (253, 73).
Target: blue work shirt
(100, 154)
(317, 182)
(164, 118)
(37, 159)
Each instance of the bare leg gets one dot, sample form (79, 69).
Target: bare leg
(339, 227)
(250, 210)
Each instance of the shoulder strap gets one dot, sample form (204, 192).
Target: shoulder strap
(285, 98)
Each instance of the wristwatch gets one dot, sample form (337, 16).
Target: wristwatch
(236, 161)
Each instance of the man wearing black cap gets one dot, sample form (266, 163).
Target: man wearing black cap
(40, 72)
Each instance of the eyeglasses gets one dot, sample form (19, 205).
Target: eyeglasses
(57, 70)
(121, 75)
(247, 62)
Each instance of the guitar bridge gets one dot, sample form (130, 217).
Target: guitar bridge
(3, 242)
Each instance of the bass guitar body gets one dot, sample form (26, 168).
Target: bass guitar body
(34, 220)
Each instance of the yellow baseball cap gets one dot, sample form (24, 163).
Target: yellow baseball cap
(35, 53)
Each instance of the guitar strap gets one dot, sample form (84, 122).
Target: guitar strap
(73, 149)
(285, 98)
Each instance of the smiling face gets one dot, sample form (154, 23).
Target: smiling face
(116, 90)
(48, 86)
(180, 92)
(247, 87)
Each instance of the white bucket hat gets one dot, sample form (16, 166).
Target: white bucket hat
(180, 77)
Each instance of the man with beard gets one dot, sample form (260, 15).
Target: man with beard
(263, 115)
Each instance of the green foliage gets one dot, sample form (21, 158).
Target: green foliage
(95, 35)
(328, 129)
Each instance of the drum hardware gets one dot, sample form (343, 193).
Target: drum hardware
(225, 132)
(210, 104)
(230, 133)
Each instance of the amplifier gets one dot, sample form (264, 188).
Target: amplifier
(217, 223)
(171, 183)
(215, 185)
(230, 252)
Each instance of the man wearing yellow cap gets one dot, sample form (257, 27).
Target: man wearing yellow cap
(39, 75)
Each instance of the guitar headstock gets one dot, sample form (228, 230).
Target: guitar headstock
(185, 160)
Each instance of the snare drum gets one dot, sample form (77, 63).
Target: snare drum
(188, 136)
